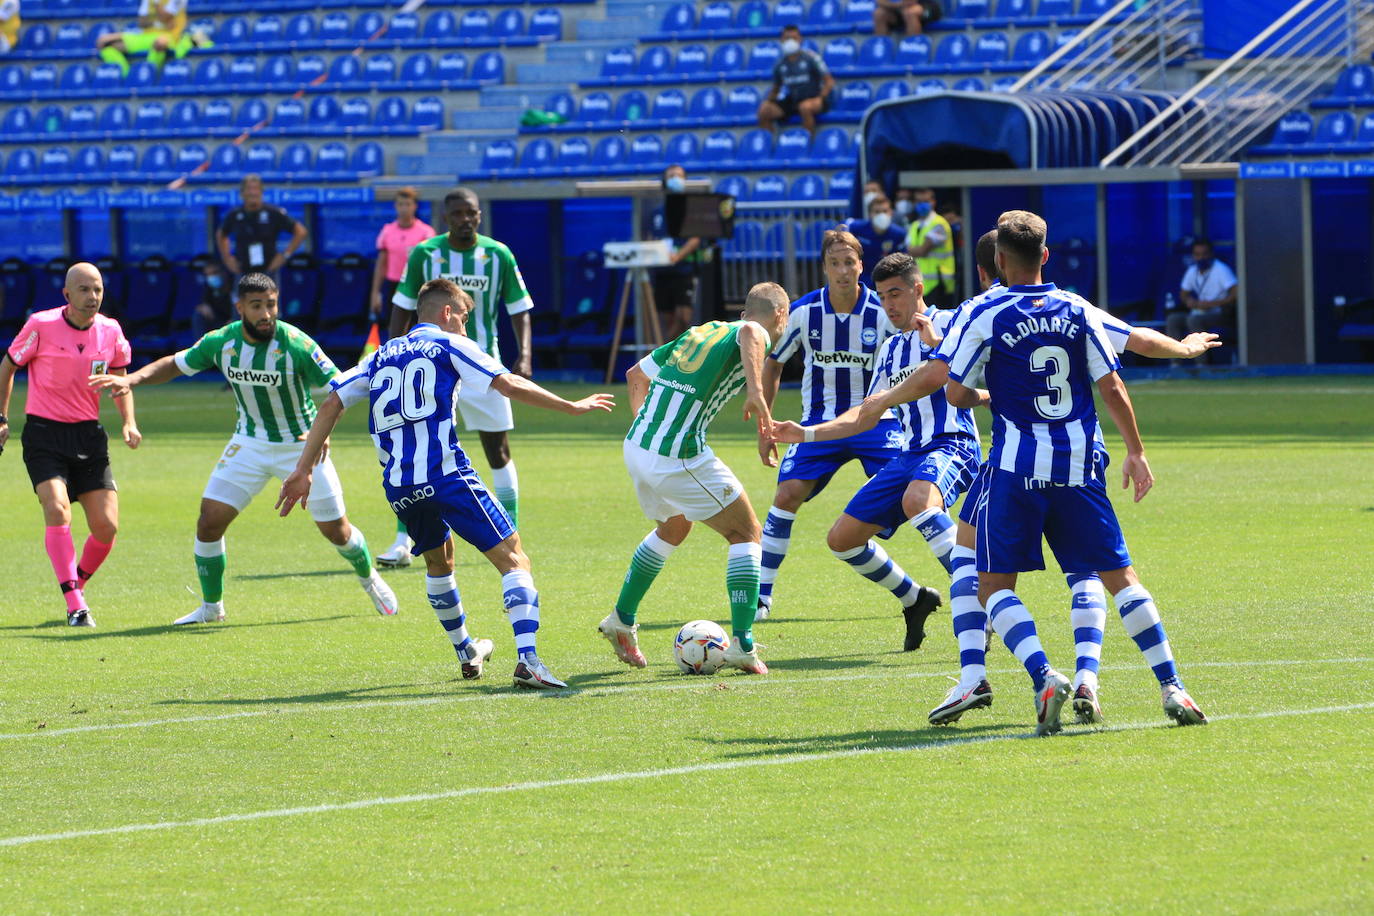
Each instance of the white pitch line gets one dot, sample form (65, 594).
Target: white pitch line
(685, 684)
(689, 770)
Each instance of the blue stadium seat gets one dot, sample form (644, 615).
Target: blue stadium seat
(14, 81)
(654, 62)
(609, 154)
(345, 71)
(1355, 86)
(840, 54)
(227, 161)
(755, 147)
(717, 17)
(1366, 131)
(595, 106)
(971, 9)
(669, 105)
(441, 25)
(355, 114)
(452, 68)
(190, 157)
(232, 31)
(279, 71)
(1007, 11)
(537, 156)
(953, 51)
(100, 28)
(260, 158)
(763, 56)
(369, 160)
(331, 160)
(859, 12)
(680, 17)
(561, 104)
(121, 163)
(50, 122)
(742, 102)
(267, 31)
(970, 84)
(427, 113)
(499, 157)
(832, 144)
(877, 53)
(250, 113)
(324, 114)
(209, 73)
(1294, 129)
(335, 28)
(77, 78)
(734, 185)
(927, 86)
(808, 187)
(70, 36)
(148, 298)
(1031, 48)
(841, 185)
(489, 68)
(109, 80)
(43, 79)
(825, 14)
(787, 12)
(892, 89)
(184, 119)
(379, 69)
(22, 164)
(1054, 9)
(719, 147)
(116, 119)
(475, 25)
(55, 165)
(150, 118)
(646, 152)
(295, 162)
(18, 123)
(574, 153)
(418, 70)
(728, 58)
(158, 163)
(618, 62)
(683, 148)
(855, 96)
(691, 60)
(546, 25)
(16, 293)
(707, 104)
(1334, 131)
(747, 239)
(403, 27)
(243, 73)
(991, 49)
(364, 27)
(300, 30)
(301, 282)
(508, 24)
(1091, 9)
(176, 77)
(768, 188)
(792, 145)
(752, 16)
(807, 237)
(390, 116)
(1003, 84)
(631, 106)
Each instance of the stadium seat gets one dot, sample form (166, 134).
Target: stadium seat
(43, 79)
(1365, 135)
(310, 68)
(707, 104)
(546, 25)
(646, 152)
(55, 165)
(335, 28)
(69, 36)
(1031, 48)
(402, 27)
(830, 146)
(574, 153)
(1355, 86)
(21, 165)
(618, 62)
(655, 62)
(150, 118)
(489, 68)
(390, 116)
(509, 24)
(157, 163)
(855, 97)
(1054, 9)
(734, 185)
(345, 71)
(756, 147)
(475, 25)
(232, 31)
(210, 74)
(251, 113)
(752, 16)
(1091, 9)
(185, 119)
(227, 161)
(369, 160)
(970, 9)
(267, 31)
(379, 69)
(716, 17)
(787, 12)
(683, 148)
(116, 119)
(367, 25)
(894, 89)
(77, 78)
(824, 14)
(769, 188)
(295, 162)
(1335, 131)
(1006, 12)
(300, 30)
(441, 26)
(51, 122)
(355, 114)
(927, 86)
(691, 60)
(718, 147)
(243, 73)
(840, 54)
(279, 71)
(190, 157)
(537, 156)
(859, 12)
(17, 124)
(631, 106)
(452, 68)
(499, 156)
(1294, 130)
(609, 154)
(792, 145)
(148, 303)
(669, 105)
(991, 49)
(324, 115)
(176, 77)
(680, 17)
(595, 107)
(877, 53)
(301, 284)
(970, 84)
(763, 56)
(260, 158)
(841, 185)
(427, 114)
(331, 160)
(95, 31)
(742, 102)
(728, 58)
(808, 187)
(953, 52)
(418, 70)
(121, 163)
(1004, 83)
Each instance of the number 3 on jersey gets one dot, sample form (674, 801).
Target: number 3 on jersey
(1058, 404)
(413, 387)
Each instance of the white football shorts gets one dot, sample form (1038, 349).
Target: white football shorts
(247, 464)
(488, 412)
(695, 488)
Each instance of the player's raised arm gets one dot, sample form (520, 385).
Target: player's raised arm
(924, 381)
(527, 392)
(1118, 403)
(296, 487)
(1150, 343)
(155, 373)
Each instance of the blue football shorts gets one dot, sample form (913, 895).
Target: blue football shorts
(949, 462)
(459, 503)
(1079, 524)
(819, 461)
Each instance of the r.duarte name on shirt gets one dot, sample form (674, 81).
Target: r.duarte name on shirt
(264, 378)
(1038, 324)
(841, 358)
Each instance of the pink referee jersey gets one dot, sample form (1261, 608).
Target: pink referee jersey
(397, 242)
(60, 357)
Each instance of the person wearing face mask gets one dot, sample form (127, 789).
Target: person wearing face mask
(879, 235)
(801, 85)
(1208, 292)
(931, 243)
(675, 285)
(902, 208)
(216, 302)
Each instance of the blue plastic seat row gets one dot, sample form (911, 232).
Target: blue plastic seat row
(876, 55)
(333, 161)
(35, 9)
(639, 153)
(809, 187)
(1355, 86)
(215, 76)
(1336, 133)
(153, 119)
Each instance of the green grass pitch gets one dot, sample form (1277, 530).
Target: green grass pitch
(308, 755)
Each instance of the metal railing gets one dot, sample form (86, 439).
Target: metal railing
(1243, 96)
(778, 241)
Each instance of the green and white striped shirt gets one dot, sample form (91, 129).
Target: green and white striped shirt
(693, 378)
(487, 272)
(271, 380)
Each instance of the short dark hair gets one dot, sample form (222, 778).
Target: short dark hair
(1021, 234)
(985, 252)
(897, 264)
(841, 236)
(256, 283)
(790, 27)
(408, 193)
(674, 165)
(467, 194)
(438, 292)
(1205, 243)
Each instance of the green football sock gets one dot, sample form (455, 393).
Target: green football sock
(156, 57)
(400, 528)
(354, 550)
(506, 487)
(210, 569)
(112, 55)
(645, 566)
(742, 585)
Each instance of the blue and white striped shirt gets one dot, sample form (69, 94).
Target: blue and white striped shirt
(932, 415)
(412, 385)
(1038, 352)
(838, 350)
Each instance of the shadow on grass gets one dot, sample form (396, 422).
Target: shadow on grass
(821, 663)
(45, 625)
(848, 741)
(765, 624)
(81, 633)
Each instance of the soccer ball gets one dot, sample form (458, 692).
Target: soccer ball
(700, 647)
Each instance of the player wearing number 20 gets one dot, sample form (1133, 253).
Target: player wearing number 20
(412, 386)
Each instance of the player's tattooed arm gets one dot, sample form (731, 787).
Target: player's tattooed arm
(638, 383)
(753, 345)
(1152, 344)
(1135, 469)
(296, 487)
(155, 373)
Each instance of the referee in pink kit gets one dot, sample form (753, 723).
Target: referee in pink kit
(65, 448)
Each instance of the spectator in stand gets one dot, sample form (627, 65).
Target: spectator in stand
(872, 191)
(801, 85)
(393, 248)
(931, 243)
(902, 208)
(247, 239)
(9, 25)
(911, 15)
(879, 235)
(161, 28)
(216, 303)
(1208, 292)
(675, 285)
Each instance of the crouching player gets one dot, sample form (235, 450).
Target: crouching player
(411, 385)
(677, 390)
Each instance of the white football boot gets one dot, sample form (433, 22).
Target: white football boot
(530, 672)
(383, 598)
(1181, 708)
(748, 662)
(398, 555)
(1049, 702)
(206, 613)
(623, 640)
(960, 700)
(476, 659)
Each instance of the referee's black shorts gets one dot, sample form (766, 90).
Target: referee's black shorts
(78, 453)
